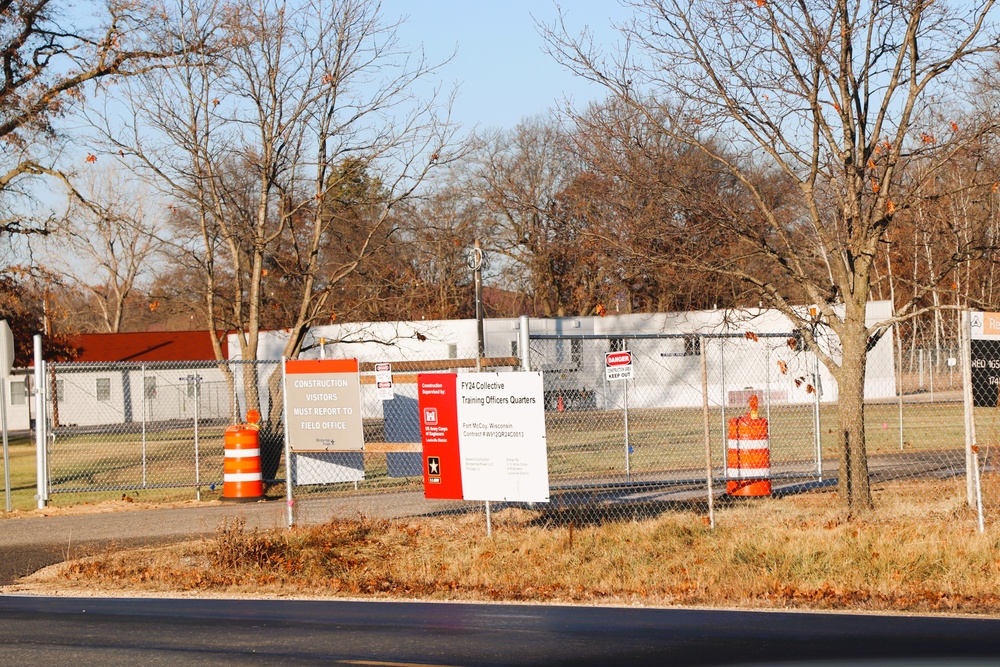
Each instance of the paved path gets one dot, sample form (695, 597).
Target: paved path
(30, 543)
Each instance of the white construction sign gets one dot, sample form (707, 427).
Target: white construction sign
(501, 431)
(383, 382)
(323, 403)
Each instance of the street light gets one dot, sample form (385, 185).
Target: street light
(477, 261)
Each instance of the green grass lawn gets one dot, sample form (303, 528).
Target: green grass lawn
(161, 465)
(21, 450)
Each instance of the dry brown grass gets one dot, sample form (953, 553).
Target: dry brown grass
(912, 554)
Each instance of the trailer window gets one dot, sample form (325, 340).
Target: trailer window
(104, 389)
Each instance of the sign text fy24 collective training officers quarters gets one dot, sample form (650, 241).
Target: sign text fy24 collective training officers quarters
(484, 436)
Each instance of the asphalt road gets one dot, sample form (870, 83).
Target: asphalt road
(282, 632)
(210, 632)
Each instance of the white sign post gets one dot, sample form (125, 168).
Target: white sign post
(6, 349)
(618, 366)
(6, 364)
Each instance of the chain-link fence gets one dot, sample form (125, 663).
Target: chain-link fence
(123, 427)
(647, 438)
(671, 429)
(158, 430)
(616, 447)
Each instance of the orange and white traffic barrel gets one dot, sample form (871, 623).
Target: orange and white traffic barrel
(748, 456)
(241, 473)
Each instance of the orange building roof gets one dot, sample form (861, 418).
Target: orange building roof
(147, 346)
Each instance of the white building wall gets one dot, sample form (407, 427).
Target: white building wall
(18, 402)
(120, 396)
(663, 374)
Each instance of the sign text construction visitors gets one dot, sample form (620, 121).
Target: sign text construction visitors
(323, 398)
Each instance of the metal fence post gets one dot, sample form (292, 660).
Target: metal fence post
(197, 459)
(899, 379)
(722, 393)
(708, 436)
(6, 452)
(767, 378)
(234, 384)
(628, 461)
(979, 490)
(288, 451)
(816, 421)
(145, 399)
(965, 342)
(41, 420)
(524, 343)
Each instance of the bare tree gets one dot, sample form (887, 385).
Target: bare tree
(427, 269)
(838, 97)
(286, 153)
(110, 241)
(47, 59)
(521, 174)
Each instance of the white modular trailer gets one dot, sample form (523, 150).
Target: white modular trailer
(393, 342)
(101, 394)
(17, 396)
(375, 341)
(748, 351)
(424, 340)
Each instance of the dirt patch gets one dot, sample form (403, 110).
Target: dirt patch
(107, 507)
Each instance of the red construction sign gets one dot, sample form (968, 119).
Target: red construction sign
(436, 400)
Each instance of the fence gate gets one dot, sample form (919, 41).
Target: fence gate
(138, 426)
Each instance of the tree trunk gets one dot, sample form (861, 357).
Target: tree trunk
(855, 493)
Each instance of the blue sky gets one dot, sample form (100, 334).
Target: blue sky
(500, 66)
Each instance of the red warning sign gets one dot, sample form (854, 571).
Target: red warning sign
(618, 365)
